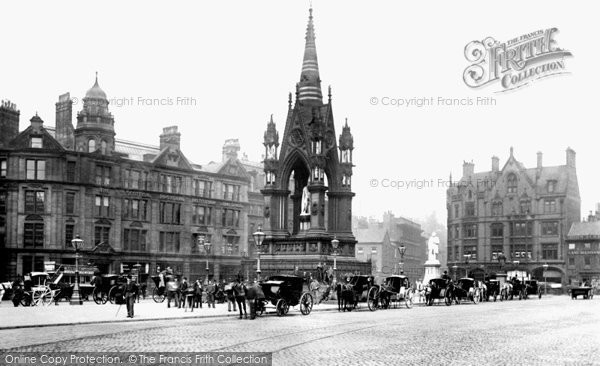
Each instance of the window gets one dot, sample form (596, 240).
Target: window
(102, 175)
(496, 251)
(497, 209)
(497, 230)
(34, 202)
(32, 264)
(134, 178)
(170, 213)
(101, 234)
(587, 260)
(470, 230)
(550, 228)
(231, 192)
(457, 232)
(103, 146)
(3, 168)
(36, 142)
(571, 261)
(549, 251)
(511, 184)
(2, 202)
(230, 218)
(33, 235)
(587, 246)
(549, 206)
(360, 250)
(91, 145)
(571, 246)
(521, 229)
(36, 169)
(134, 240)
(170, 184)
(102, 206)
(202, 215)
(373, 250)
(524, 207)
(70, 203)
(135, 209)
(168, 242)
(551, 186)
(471, 250)
(71, 171)
(456, 210)
(69, 229)
(470, 208)
(202, 188)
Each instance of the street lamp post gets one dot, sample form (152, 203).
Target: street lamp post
(455, 269)
(401, 250)
(501, 275)
(467, 256)
(334, 244)
(76, 297)
(545, 280)
(202, 242)
(259, 236)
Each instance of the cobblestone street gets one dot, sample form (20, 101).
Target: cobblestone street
(554, 330)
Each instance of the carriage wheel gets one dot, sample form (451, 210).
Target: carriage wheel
(495, 296)
(408, 299)
(476, 298)
(306, 303)
(372, 296)
(280, 307)
(99, 296)
(111, 294)
(157, 297)
(25, 299)
(448, 300)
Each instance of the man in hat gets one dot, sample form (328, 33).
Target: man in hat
(131, 289)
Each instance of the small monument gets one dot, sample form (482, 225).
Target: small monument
(432, 265)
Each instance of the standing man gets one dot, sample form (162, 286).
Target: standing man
(251, 297)
(239, 291)
(210, 293)
(131, 290)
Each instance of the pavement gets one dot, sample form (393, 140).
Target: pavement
(90, 313)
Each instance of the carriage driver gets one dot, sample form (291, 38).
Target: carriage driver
(446, 277)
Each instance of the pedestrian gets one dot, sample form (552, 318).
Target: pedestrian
(198, 293)
(172, 288)
(131, 290)
(18, 287)
(182, 291)
(210, 293)
(251, 297)
(239, 291)
(230, 297)
(2, 291)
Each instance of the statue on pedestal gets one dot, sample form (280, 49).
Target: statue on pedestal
(433, 247)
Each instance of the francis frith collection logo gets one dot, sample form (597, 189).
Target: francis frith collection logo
(514, 63)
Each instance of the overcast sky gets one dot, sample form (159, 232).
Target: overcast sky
(239, 60)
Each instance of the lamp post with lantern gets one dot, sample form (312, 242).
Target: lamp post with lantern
(76, 297)
(207, 245)
(259, 236)
(401, 250)
(334, 244)
(467, 256)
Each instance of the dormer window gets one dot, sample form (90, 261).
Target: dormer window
(551, 186)
(511, 185)
(36, 142)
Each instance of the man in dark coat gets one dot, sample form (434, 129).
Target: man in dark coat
(198, 293)
(131, 290)
(210, 293)
(251, 297)
(239, 291)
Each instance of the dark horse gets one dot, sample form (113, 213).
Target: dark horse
(349, 293)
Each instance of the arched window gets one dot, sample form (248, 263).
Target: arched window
(103, 146)
(511, 185)
(91, 145)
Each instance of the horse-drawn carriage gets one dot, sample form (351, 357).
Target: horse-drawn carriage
(586, 292)
(159, 293)
(466, 289)
(438, 288)
(532, 288)
(42, 289)
(492, 290)
(283, 291)
(512, 289)
(393, 290)
(354, 290)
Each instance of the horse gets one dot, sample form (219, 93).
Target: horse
(506, 290)
(345, 296)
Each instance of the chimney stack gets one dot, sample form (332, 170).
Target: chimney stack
(539, 160)
(495, 164)
(468, 169)
(36, 123)
(170, 138)
(64, 121)
(9, 122)
(570, 157)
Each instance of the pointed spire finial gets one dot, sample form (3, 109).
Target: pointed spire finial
(310, 82)
(511, 151)
(346, 122)
(271, 118)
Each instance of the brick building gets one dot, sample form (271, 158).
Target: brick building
(523, 213)
(583, 256)
(132, 203)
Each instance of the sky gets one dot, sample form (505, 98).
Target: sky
(218, 70)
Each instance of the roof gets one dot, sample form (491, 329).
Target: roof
(590, 229)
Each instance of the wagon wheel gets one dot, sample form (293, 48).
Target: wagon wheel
(111, 294)
(25, 299)
(495, 295)
(99, 296)
(306, 303)
(372, 298)
(408, 298)
(280, 307)
(157, 296)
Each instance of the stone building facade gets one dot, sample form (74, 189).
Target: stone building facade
(583, 256)
(132, 203)
(521, 213)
